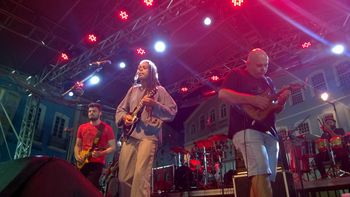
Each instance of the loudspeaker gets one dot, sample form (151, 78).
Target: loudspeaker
(282, 187)
(43, 176)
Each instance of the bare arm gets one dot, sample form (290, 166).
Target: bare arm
(111, 148)
(234, 97)
(77, 149)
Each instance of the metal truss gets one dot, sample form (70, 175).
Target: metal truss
(278, 50)
(166, 12)
(40, 36)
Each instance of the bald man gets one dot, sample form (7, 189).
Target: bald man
(256, 140)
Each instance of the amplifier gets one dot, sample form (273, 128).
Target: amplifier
(282, 187)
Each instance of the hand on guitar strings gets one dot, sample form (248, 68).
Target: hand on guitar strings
(78, 158)
(96, 154)
(260, 102)
(128, 119)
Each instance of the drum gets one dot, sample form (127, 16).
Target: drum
(195, 165)
(336, 142)
(183, 178)
(321, 144)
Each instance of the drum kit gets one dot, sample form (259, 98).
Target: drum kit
(204, 161)
(303, 148)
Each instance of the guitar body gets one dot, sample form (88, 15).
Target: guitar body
(128, 129)
(85, 154)
(276, 104)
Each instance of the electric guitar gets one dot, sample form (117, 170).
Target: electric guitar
(277, 102)
(136, 113)
(86, 155)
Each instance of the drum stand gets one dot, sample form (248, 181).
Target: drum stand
(205, 173)
(336, 170)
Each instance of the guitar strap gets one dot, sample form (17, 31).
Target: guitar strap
(98, 135)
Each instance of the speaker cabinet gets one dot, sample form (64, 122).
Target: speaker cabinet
(282, 187)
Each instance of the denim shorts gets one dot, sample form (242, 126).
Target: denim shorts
(262, 152)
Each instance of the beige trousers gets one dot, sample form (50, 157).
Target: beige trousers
(135, 167)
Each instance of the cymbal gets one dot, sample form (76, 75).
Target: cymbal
(204, 143)
(178, 149)
(218, 137)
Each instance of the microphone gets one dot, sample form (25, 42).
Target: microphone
(100, 62)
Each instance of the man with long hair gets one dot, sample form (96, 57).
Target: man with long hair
(141, 113)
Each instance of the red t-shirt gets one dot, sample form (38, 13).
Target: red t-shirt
(87, 133)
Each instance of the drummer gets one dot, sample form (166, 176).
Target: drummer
(329, 130)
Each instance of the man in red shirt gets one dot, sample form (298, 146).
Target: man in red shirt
(95, 139)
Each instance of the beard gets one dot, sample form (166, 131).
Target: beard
(94, 118)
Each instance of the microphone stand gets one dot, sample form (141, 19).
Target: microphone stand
(82, 81)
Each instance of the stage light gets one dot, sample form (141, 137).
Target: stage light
(306, 45)
(122, 65)
(92, 38)
(214, 78)
(207, 21)
(123, 15)
(237, 2)
(148, 3)
(140, 51)
(338, 49)
(64, 56)
(94, 80)
(70, 94)
(160, 46)
(324, 96)
(184, 89)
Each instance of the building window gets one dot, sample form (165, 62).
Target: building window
(223, 111)
(304, 128)
(202, 122)
(297, 96)
(59, 136)
(319, 83)
(212, 116)
(58, 127)
(39, 119)
(193, 130)
(343, 73)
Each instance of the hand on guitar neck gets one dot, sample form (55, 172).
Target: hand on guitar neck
(275, 103)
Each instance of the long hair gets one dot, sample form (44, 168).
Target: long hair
(152, 80)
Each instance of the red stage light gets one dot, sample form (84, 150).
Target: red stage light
(123, 15)
(92, 38)
(64, 56)
(214, 78)
(148, 2)
(184, 89)
(237, 2)
(140, 51)
(306, 45)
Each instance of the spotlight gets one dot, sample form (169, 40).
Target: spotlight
(338, 49)
(160, 46)
(122, 65)
(324, 96)
(207, 21)
(70, 94)
(94, 80)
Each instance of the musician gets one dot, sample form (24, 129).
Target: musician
(255, 139)
(329, 130)
(100, 132)
(138, 150)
